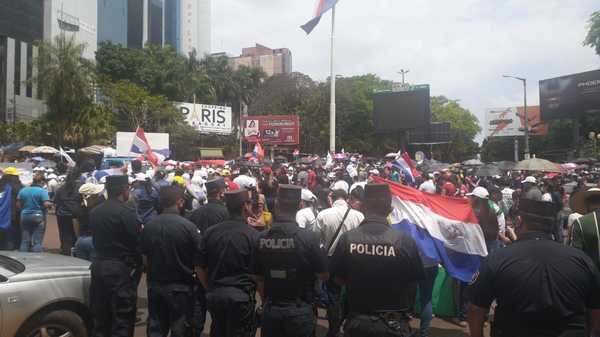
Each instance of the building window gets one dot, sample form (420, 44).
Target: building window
(17, 82)
(29, 70)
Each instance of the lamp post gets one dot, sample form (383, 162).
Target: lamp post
(525, 117)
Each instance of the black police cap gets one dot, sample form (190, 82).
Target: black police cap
(215, 184)
(289, 193)
(377, 192)
(541, 211)
(237, 197)
(116, 181)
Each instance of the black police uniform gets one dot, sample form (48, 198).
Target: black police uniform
(228, 251)
(288, 259)
(206, 216)
(116, 270)
(381, 266)
(542, 287)
(172, 246)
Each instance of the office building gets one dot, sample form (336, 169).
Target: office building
(183, 24)
(74, 18)
(272, 61)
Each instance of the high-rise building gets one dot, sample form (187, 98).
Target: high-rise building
(272, 61)
(77, 18)
(183, 24)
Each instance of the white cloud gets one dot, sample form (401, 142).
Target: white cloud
(461, 48)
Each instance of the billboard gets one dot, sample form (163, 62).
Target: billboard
(159, 142)
(400, 110)
(571, 95)
(272, 130)
(207, 118)
(509, 122)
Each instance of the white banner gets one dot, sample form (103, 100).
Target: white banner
(207, 118)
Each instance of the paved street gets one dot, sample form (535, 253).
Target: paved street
(440, 328)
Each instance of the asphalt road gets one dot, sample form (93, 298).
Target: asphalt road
(440, 327)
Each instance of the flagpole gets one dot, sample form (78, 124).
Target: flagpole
(332, 105)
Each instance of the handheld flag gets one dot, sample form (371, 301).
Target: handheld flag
(322, 7)
(404, 163)
(258, 152)
(140, 145)
(64, 154)
(445, 229)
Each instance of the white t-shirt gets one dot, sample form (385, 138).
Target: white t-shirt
(305, 218)
(245, 181)
(428, 187)
(329, 219)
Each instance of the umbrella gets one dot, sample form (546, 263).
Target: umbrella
(44, 150)
(537, 164)
(472, 162)
(38, 158)
(569, 166)
(488, 170)
(94, 149)
(27, 148)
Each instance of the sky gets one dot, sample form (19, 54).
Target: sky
(461, 48)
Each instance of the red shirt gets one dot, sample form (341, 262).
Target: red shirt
(449, 188)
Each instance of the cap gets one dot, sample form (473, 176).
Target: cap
(91, 189)
(578, 202)
(542, 211)
(215, 184)
(179, 180)
(377, 192)
(307, 195)
(11, 171)
(289, 193)
(529, 179)
(479, 192)
(236, 198)
(116, 181)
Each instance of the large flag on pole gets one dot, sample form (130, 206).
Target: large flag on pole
(140, 145)
(445, 229)
(322, 7)
(404, 163)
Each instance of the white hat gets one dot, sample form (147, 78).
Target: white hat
(480, 193)
(50, 170)
(91, 189)
(103, 180)
(52, 176)
(39, 168)
(170, 168)
(141, 177)
(186, 176)
(307, 195)
(529, 179)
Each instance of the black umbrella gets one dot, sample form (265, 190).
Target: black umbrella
(488, 170)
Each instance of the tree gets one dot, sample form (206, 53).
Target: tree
(464, 126)
(66, 80)
(592, 38)
(133, 106)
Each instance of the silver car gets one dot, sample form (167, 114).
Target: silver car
(43, 295)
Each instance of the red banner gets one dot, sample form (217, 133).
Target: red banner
(272, 130)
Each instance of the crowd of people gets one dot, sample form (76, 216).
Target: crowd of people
(299, 235)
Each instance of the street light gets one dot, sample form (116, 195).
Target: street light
(525, 117)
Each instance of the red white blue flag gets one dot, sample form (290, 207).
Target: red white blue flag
(140, 145)
(258, 152)
(322, 7)
(445, 229)
(405, 164)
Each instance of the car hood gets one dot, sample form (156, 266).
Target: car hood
(47, 266)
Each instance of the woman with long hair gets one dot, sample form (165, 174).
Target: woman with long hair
(68, 207)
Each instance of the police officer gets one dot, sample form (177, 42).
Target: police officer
(542, 288)
(214, 211)
(288, 259)
(205, 217)
(171, 245)
(380, 267)
(228, 251)
(116, 269)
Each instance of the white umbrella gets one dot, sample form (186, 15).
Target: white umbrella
(44, 150)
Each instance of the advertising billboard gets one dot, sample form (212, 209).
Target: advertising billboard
(159, 142)
(207, 118)
(272, 130)
(400, 110)
(509, 122)
(571, 95)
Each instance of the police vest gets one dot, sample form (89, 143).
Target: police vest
(280, 252)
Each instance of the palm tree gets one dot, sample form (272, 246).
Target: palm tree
(593, 36)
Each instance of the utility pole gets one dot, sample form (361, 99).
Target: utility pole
(403, 72)
(525, 116)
